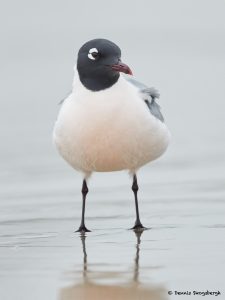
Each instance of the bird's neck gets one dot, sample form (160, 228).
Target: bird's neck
(98, 82)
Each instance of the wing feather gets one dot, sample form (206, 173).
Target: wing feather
(148, 95)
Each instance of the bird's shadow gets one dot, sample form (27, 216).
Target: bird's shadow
(133, 289)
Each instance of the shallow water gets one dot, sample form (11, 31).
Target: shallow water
(183, 250)
(182, 195)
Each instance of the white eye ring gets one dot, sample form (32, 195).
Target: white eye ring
(92, 50)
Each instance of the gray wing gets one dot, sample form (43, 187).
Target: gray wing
(148, 95)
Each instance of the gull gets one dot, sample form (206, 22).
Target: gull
(110, 121)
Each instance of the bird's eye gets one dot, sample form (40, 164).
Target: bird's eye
(93, 54)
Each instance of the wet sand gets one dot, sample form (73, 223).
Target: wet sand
(91, 287)
(182, 195)
(183, 250)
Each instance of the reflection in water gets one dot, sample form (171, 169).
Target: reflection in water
(136, 265)
(83, 237)
(132, 290)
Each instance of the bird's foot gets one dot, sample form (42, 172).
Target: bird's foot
(82, 229)
(138, 227)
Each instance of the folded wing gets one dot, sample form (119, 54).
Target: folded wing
(149, 95)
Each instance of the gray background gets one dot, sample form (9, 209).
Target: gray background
(176, 46)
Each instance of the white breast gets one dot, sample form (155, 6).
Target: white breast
(109, 130)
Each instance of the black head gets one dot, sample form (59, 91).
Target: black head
(99, 64)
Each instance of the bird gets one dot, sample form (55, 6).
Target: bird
(110, 121)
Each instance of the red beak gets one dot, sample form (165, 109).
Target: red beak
(121, 67)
